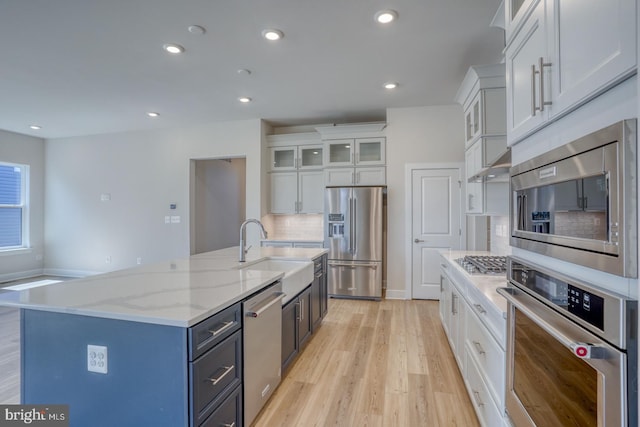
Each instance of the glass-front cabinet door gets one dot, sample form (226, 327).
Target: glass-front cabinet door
(282, 158)
(310, 157)
(339, 152)
(370, 151)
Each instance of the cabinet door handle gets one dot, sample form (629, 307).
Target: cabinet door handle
(454, 301)
(227, 369)
(476, 397)
(225, 326)
(533, 90)
(480, 308)
(541, 65)
(479, 348)
(470, 201)
(233, 424)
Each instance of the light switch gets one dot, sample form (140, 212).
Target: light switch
(175, 219)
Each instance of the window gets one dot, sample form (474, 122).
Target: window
(13, 206)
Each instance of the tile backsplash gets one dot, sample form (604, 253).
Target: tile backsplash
(294, 227)
(499, 240)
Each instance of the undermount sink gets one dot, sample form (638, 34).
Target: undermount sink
(297, 274)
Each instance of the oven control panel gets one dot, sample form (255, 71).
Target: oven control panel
(562, 294)
(587, 306)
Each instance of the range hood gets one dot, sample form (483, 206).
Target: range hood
(498, 168)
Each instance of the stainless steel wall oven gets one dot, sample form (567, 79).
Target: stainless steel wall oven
(578, 202)
(571, 351)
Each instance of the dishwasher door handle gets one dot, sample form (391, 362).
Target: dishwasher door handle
(277, 297)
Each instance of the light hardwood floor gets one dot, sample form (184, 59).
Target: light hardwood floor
(383, 363)
(372, 363)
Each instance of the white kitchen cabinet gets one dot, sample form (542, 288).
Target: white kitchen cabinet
(355, 176)
(476, 330)
(485, 195)
(485, 115)
(452, 313)
(483, 153)
(297, 192)
(289, 158)
(562, 54)
(355, 152)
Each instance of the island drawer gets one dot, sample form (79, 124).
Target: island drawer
(211, 331)
(229, 413)
(214, 375)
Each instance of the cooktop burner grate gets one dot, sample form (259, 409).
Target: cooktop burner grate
(484, 264)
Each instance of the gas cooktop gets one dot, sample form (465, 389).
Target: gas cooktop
(484, 264)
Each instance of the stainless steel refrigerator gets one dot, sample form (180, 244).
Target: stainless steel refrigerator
(354, 237)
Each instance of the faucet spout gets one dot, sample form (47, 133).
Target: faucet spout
(243, 238)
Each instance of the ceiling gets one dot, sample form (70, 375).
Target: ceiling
(82, 67)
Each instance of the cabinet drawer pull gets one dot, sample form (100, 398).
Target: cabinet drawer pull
(227, 369)
(480, 308)
(233, 424)
(225, 326)
(479, 348)
(476, 397)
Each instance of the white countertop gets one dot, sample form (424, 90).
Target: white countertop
(485, 283)
(176, 293)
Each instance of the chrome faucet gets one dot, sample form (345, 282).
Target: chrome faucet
(243, 236)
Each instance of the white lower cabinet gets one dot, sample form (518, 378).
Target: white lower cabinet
(453, 313)
(486, 410)
(476, 332)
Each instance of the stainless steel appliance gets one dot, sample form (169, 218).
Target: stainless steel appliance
(483, 264)
(571, 351)
(262, 336)
(353, 235)
(579, 203)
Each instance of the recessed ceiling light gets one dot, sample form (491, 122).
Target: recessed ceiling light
(197, 29)
(272, 34)
(35, 127)
(390, 85)
(153, 114)
(244, 99)
(386, 16)
(173, 48)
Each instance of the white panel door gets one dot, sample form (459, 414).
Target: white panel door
(435, 226)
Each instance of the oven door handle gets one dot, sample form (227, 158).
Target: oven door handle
(578, 347)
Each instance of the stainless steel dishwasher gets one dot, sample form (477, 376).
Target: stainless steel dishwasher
(262, 333)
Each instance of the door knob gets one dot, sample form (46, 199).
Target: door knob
(416, 240)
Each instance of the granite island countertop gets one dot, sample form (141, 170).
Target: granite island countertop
(179, 292)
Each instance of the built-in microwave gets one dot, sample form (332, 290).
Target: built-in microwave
(579, 201)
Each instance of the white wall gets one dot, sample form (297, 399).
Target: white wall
(414, 135)
(219, 203)
(144, 172)
(26, 150)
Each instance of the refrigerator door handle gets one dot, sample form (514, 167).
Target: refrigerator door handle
(351, 237)
(354, 217)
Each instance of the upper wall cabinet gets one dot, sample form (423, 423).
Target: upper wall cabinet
(290, 158)
(482, 95)
(355, 152)
(560, 54)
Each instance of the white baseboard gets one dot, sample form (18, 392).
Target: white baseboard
(19, 275)
(396, 294)
(68, 273)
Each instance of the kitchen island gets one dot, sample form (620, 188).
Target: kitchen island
(159, 326)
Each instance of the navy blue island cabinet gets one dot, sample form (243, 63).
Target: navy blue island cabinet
(156, 375)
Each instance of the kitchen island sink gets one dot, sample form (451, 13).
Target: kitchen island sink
(297, 274)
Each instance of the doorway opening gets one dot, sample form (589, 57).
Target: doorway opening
(218, 203)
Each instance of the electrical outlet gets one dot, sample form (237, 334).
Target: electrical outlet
(139, 260)
(97, 360)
